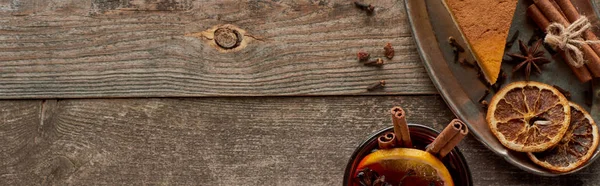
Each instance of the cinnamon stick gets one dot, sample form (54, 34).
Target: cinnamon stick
(557, 8)
(448, 138)
(572, 15)
(554, 15)
(387, 140)
(464, 130)
(401, 127)
(582, 73)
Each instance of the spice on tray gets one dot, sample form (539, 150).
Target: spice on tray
(455, 44)
(456, 54)
(548, 12)
(480, 75)
(401, 127)
(362, 55)
(484, 104)
(530, 58)
(512, 40)
(588, 97)
(482, 100)
(501, 79)
(456, 49)
(377, 62)
(566, 93)
(375, 86)
(389, 51)
(448, 138)
(485, 94)
(537, 35)
(550, 50)
(582, 73)
(463, 61)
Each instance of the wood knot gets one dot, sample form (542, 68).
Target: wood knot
(227, 38)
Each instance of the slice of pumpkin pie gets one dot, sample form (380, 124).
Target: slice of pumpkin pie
(485, 24)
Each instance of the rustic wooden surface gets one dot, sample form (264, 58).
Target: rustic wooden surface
(56, 49)
(156, 48)
(218, 141)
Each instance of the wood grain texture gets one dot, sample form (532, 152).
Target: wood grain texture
(153, 48)
(218, 141)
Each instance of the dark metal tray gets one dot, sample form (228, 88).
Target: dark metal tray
(432, 24)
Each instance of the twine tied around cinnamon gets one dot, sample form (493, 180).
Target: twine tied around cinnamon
(569, 39)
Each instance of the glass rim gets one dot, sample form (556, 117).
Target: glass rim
(375, 134)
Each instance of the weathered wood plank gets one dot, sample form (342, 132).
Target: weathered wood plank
(218, 141)
(159, 48)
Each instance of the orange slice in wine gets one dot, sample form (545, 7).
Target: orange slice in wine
(528, 116)
(575, 148)
(407, 166)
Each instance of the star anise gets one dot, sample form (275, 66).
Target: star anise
(368, 177)
(529, 58)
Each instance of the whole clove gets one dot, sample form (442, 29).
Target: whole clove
(477, 68)
(485, 94)
(484, 104)
(362, 55)
(482, 79)
(512, 40)
(456, 48)
(537, 35)
(501, 80)
(550, 49)
(480, 75)
(375, 86)
(377, 62)
(454, 43)
(389, 51)
(456, 54)
(587, 98)
(366, 7)
(465, 62)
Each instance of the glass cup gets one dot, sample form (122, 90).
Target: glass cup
(421, 136)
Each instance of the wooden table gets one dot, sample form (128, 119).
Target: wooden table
(138, 92)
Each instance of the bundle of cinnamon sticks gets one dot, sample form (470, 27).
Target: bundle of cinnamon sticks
(543, 12)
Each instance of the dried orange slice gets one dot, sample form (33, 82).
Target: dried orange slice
(528, 116)
(575, 148)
